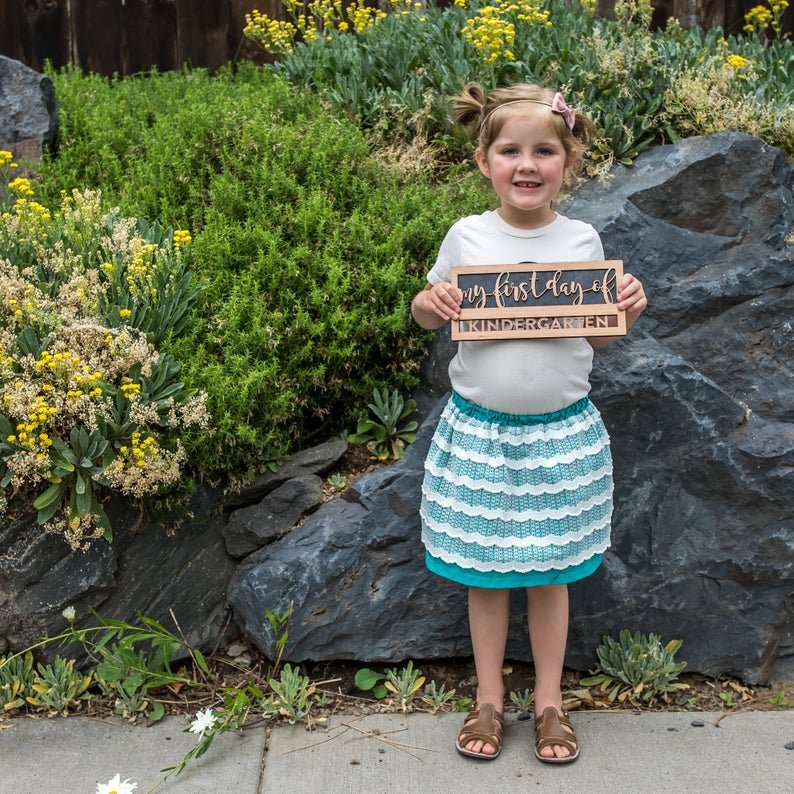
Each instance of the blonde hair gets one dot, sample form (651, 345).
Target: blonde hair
(486, 116)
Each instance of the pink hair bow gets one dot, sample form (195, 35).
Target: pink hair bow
(558, 106)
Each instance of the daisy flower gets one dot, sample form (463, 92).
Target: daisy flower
(116, 786)
(204, 721)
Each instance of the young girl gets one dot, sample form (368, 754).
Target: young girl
(518, 478)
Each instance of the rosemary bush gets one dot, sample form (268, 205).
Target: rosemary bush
(308, 240)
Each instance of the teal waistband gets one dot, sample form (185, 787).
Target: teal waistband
(496, 417)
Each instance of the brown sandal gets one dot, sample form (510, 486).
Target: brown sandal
(483, 724)
(554, 728)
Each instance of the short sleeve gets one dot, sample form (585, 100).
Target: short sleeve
(448, 255)
(596, 248)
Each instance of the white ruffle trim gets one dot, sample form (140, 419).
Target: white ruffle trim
(523, 463)
(512, 541)
(569, 511)
(518, 567)
(461, 423)
(528, 489)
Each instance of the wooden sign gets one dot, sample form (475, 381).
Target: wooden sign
(535, 300)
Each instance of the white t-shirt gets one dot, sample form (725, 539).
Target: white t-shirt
(519, 376)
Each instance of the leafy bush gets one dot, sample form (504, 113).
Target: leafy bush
(309, 243)
(394, 73)
(86, 401)
(387, 434)
(637, 668)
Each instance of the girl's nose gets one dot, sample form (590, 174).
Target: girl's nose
(528, 163)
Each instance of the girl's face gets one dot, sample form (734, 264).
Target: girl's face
(526, 164)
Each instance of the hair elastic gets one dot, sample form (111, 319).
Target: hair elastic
(557, 105)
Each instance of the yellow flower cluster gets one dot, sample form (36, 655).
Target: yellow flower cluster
(278, 37)
(461, 3)
(69, 369)
(7, 159)
(362, 17)
(759, 18)
(141, 452)
(130, 390)
(491, 35)
(492, 30)
(31, 436)
(589, 6)
(141, 267)
(144, 466)
(23, 206)
(21, 310)
(736, 61)
(273, 35)
(20, 186)
(181, 237)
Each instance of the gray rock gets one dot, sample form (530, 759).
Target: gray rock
(698, 404)
(250, 528)
(354, 576)
(28, 111)
(315, 460)
(151, 569)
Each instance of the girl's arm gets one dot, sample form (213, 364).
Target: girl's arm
(632, 300)
(436, 304)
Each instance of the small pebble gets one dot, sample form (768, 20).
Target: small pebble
(524, 715)
(381, 750)
(354, 762)
(672, 729)
(697, 723)
(789, 745)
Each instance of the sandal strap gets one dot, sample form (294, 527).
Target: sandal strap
(484, 724)
(555, 728)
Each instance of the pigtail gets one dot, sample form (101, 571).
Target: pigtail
(467, 107)
(584, 130)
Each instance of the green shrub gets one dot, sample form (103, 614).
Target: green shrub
(637, 668)
(309, 243)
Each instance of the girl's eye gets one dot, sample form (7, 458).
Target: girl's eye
(510, 150)
(545, 151)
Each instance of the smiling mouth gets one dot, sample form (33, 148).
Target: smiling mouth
(527, 184)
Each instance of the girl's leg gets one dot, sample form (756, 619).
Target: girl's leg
(489, 612)
(547, 610)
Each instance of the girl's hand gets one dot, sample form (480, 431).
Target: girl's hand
(631, 298)
(436, 304)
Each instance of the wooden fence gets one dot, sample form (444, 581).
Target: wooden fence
(128, 36)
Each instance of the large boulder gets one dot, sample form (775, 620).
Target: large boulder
(28, 111)
(698, 403)
(178, 575)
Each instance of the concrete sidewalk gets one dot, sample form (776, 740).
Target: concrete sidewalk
(395, 754)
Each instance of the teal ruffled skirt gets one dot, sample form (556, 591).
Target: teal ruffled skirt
(517, 501)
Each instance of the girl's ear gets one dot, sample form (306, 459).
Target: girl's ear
(482, 162)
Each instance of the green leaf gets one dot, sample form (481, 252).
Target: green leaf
(50, 496)
(156, 712)
(84, 500)
(46, 513)
(366, 679)
(201, 661)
